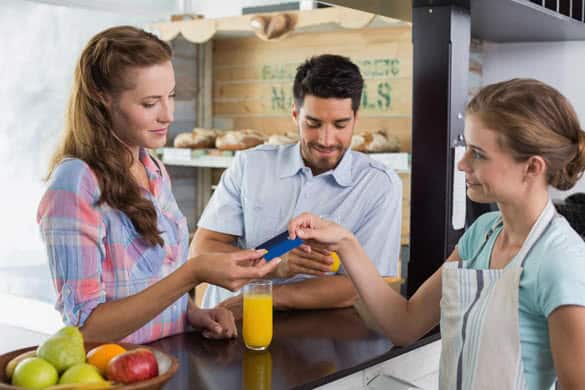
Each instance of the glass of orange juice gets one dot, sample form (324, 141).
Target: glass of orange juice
(257, 323)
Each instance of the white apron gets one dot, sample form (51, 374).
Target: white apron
(479, 319)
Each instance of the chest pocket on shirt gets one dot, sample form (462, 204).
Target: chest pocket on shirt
(143, 261)
(266, 222)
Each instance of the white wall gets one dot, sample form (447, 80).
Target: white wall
(559, 64)
(133, 8)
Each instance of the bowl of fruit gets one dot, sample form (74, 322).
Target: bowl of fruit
(65, 362)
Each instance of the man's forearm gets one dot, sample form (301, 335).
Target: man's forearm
(200, 246)
(333, 291)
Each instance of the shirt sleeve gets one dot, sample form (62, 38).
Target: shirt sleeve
(224, 212)
(561, 279)
(72, 231)
(380, 231)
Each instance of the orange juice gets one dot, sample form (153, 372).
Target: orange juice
(257, 324)
(336, 262)
(257, 370)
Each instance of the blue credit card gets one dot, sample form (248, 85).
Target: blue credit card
(279, 245)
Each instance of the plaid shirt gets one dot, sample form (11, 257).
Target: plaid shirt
(95, 253)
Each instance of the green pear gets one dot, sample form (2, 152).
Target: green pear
(64, 349)
(70, 331)
(34, 373)
(81, 373)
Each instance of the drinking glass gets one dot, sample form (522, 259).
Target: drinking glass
(257, 323)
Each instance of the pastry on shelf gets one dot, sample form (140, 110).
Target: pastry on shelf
(239, 139)
(197, 139)
(375, 142)
(272, 27)
(283, 139)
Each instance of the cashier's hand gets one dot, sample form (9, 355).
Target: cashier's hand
(318, 233)
(305, 260)
(216, 323)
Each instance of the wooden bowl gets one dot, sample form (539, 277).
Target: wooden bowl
(167, 366)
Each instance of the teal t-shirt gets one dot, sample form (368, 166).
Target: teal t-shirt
(553, 276)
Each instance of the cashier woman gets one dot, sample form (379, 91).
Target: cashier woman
(510, 299)
(267, 186)
(116, 241)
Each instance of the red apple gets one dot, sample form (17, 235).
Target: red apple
(132, 366)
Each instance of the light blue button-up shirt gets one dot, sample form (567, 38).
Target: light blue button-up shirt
(269, 185)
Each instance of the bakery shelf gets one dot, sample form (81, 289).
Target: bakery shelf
(202, 162)
(400, 162)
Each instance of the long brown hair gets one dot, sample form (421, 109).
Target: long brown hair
(103, 70)
(532, 118)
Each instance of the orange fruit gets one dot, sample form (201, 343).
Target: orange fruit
(101, 355)
(336, 262)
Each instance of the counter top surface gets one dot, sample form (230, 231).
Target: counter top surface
(309, 348)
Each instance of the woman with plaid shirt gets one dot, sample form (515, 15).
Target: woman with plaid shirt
(116, 240)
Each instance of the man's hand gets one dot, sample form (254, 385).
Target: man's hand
(235, 305)
(216, 323)
(305, 260)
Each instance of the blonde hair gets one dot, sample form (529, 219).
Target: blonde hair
(533, 118)
(103, 69)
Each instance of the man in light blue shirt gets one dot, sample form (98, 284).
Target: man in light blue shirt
(269, 185)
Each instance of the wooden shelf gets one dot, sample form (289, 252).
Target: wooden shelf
(400, 162)
(315, 20)
(202, 162)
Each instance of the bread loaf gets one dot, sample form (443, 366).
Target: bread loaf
(196, 139)
(375, 142)
(283, 139)
(239, 140)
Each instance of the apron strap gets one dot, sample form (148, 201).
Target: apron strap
(537, 230)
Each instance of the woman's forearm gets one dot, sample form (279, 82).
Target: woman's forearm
(402, 321)
(115, 320)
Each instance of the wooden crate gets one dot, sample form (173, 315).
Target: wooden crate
(252, 79)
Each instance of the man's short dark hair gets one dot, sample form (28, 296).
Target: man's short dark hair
(328, 76)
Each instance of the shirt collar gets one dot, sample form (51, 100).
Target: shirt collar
(291, 163)
(152, 169)
(342, 172)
